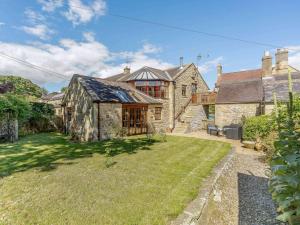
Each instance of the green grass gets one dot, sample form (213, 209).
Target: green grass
(46, 179)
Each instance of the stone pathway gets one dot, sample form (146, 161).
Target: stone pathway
(241, 195)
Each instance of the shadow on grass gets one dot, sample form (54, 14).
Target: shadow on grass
(42, 151)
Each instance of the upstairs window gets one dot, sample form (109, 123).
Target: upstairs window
(183, 90)
(157, 113)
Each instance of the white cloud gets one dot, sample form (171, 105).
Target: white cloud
(50, 5)
(33, 16)
(294, 56)
(2, 24)
(40, 30)
(210, 65)
(79, 13)
(89, 36)
(87, 57)
(37, 25)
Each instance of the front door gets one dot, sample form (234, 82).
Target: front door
(194, 93)
(134, 118)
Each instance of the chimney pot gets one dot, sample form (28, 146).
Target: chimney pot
(127, 70)
(219, 70)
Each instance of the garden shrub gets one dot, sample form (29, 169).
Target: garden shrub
(257, 127)
(285, 163)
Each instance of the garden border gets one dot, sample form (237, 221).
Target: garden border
(194, 210)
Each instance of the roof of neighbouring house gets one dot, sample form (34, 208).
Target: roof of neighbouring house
(239, 76)
(279, 85)
(102, 90)
(240, 91)
(149, 73)
(53, 96)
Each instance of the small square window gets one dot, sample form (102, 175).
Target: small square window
(183, 90)
(157, 113)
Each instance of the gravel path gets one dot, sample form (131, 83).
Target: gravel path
(241, 196)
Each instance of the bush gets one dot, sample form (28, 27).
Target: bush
(285, 163)
(257, 127)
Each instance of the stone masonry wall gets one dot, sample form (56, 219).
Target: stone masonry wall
(110, 119)
(269, 108)
(10, 129)
(189, 76)
(162, 124)
(225, 114)
(82, 120)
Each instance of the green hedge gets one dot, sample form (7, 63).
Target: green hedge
(258, 126)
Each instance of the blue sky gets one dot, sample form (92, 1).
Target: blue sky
(66, 39)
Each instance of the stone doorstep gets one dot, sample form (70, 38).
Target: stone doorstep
(194, 210)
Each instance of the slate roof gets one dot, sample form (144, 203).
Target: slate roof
(279, 85)
(239, 76)
(245, 91)
(149, 73)
(53, 96)
(102, 90)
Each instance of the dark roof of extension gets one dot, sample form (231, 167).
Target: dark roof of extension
(149, 73)
(102, 90)
(279, 85)
(240, 91)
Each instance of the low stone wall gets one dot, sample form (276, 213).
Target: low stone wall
(194, 210)
(9, 130)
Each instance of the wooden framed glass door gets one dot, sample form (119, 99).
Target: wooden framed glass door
(134, 118)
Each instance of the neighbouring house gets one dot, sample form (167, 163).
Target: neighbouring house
(55, 99)
(250, 92)
(162, 99)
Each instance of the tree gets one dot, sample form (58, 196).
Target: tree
(63, 89)
(23, 86)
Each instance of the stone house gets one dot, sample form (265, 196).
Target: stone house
(94, 107)
(250, 93)
(55, 99)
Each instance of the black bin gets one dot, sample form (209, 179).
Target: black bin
(233, 131)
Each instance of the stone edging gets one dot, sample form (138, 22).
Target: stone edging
(194, 209)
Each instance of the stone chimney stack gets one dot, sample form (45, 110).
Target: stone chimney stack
(266, 64)
(126, 70)
(282, 57)
(219, 70)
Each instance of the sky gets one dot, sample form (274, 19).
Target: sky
(69, 37)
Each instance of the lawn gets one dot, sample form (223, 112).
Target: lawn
(46, 179)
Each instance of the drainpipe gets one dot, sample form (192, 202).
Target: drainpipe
(99, 134)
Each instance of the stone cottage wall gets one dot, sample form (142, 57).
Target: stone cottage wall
(189, 76)
(225, 114)
(10, 129)
(110, 119)
(82, 121)
(269, 108)
(162, 124)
